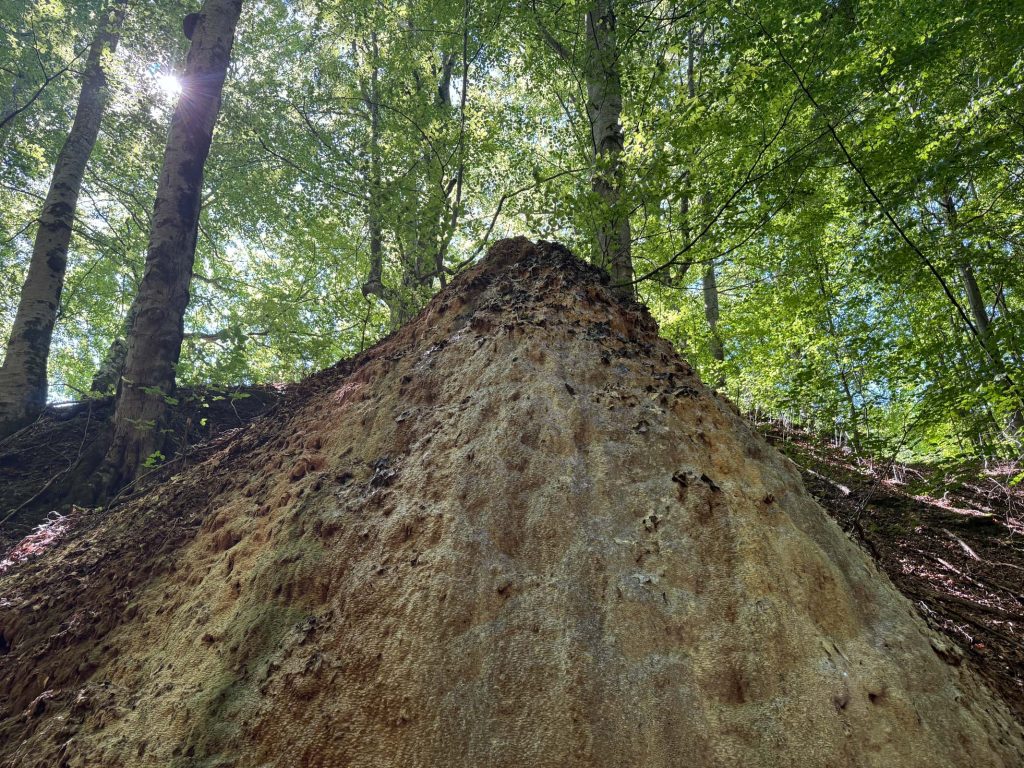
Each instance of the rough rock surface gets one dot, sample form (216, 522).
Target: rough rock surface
(519, 532)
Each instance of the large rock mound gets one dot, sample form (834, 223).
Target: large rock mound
(519, 532)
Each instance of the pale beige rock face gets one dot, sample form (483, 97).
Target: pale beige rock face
(521, 533)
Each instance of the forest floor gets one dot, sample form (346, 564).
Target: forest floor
(39, 457)
(952, 542)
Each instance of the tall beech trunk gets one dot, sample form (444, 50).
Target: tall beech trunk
(1014, 426)
(154, 342)
(600, 69)
(828, 300)
(709, 283)
(374, 285)
(678, 273)
(424, 258)
(23, 383)
(604, 108)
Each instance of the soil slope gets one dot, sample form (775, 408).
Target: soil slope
(37, 462)
(519, 532)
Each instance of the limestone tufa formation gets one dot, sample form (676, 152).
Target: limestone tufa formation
(519, 532)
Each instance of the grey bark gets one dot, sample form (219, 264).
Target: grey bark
(844, 374)
(604, 112)
(23, 383)
(974, 300)
(460, 173)
(604, 109)
(429, 227)
(154, 343)
(13, 101)
(1014, 427)
(10, 106)
(709, 283)
(374, 285)
(444, 84)
(709, 280)
(425, 258)
(108, 375)
(678, 274)
(371, 99)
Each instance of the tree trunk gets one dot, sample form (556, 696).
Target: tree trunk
(154, 343)
(977, 304)
(430, 214)
(710, 285)
(400, 301)
(678, 273)
(10, 106)
(108, 374)
(424, 258)
(23, 384)
(844, 374)
(18, 82)
(374, 285)
(1014, 426)
(604, 109)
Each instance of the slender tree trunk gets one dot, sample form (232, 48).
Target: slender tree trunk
(399, 301)
(108, 375)
(429, 227)
(604, 112)
(844, 374)
(678, 273)
(154, 343)
(10, 105)
(109, 372)
(709, 280)
(709, 283)
(374, 285)
(1014, 427)
(604, 109)
(455, 207)
(18, 83)
(425, 257)
(23, 384)
(974, 300)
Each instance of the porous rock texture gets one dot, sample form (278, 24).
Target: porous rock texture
(519, 532)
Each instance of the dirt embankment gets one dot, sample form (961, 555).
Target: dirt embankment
(37, 460)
